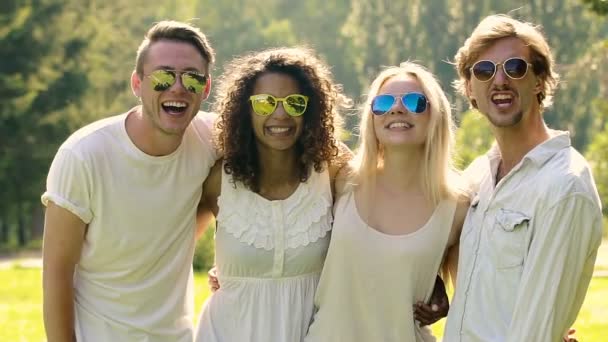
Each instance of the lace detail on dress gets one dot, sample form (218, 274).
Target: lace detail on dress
(306, 215)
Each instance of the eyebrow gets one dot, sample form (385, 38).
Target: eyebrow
(166, 67)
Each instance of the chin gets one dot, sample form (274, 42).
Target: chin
(507, 121)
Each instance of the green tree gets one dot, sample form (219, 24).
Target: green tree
(598, 6)
(473, 138)
(40, 76)
(597, 154)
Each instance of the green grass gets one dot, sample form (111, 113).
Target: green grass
(21, 309)
(21, 303)
(591, 324)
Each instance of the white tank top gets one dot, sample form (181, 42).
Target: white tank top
(371, 280)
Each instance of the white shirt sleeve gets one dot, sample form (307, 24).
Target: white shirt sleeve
(67, 185)
(204, 124)
(557, 270)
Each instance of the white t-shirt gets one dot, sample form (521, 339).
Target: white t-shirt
(134, 278)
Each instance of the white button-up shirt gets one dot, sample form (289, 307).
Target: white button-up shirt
(527, 248)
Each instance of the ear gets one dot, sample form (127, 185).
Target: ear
(467, 88)
(207, 88)
(135, 84)
(469, 92)
(538, 87)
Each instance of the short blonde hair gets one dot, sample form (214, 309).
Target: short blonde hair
(438, 171)
(499, 26)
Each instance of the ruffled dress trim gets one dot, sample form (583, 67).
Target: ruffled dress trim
(307, 213)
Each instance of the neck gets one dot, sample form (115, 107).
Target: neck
(148, 138)
(401, 167)
(516, 141)
(277, 167)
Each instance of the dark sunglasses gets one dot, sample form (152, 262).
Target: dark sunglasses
(266, 104)
(415, 103)
(516, 68)
(163, 79)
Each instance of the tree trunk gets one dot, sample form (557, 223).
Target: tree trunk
(3, 232)
(21, 228)
(37, 226)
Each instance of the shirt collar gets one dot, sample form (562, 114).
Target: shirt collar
(557, 141)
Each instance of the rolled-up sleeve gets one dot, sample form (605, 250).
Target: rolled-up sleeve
(67, 185)
(558, 269)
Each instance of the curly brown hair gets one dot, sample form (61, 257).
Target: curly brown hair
(318, 143)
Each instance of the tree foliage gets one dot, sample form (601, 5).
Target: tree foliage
(598, 6)
(473, 138)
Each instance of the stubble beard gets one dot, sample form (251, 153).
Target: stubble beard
(512, 121)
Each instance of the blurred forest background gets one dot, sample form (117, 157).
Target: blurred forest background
(67, 63)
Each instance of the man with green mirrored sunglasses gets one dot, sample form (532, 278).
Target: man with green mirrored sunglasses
(121, 197)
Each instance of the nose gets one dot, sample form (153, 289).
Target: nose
(398, 107)
(500, 77)
(280, 112)
(178, 86)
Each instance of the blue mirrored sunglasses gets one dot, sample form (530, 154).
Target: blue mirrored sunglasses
(415, 103)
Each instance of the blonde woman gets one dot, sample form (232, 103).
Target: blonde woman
(398, 216)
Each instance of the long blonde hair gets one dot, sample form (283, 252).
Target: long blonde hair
(438, 172)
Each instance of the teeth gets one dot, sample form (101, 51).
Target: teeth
(278, 129)
(502, 97)
(399, 125)
(175, 104)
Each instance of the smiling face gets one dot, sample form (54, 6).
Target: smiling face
(503, 100)
(170, 111)
(399, 127)
(279, 130)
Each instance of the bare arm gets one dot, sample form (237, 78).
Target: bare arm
(339, 170)
(438, 306)
(207, 207)
(62, 243)
(450, 263)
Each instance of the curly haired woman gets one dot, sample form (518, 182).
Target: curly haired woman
(271, 194)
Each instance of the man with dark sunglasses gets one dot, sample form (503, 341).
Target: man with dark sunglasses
(122, 195)
(530, 240)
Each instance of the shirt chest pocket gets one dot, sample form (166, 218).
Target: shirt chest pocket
(508, 238)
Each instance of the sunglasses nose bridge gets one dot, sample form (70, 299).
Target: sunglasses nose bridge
(398, 106)
(279, 110)
(179, 81)
(500, 75)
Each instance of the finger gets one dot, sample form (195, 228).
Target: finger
(426, 309)
(429, 317)
(423, 309)
(424, 316)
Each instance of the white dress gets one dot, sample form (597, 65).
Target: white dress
(269, 256)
